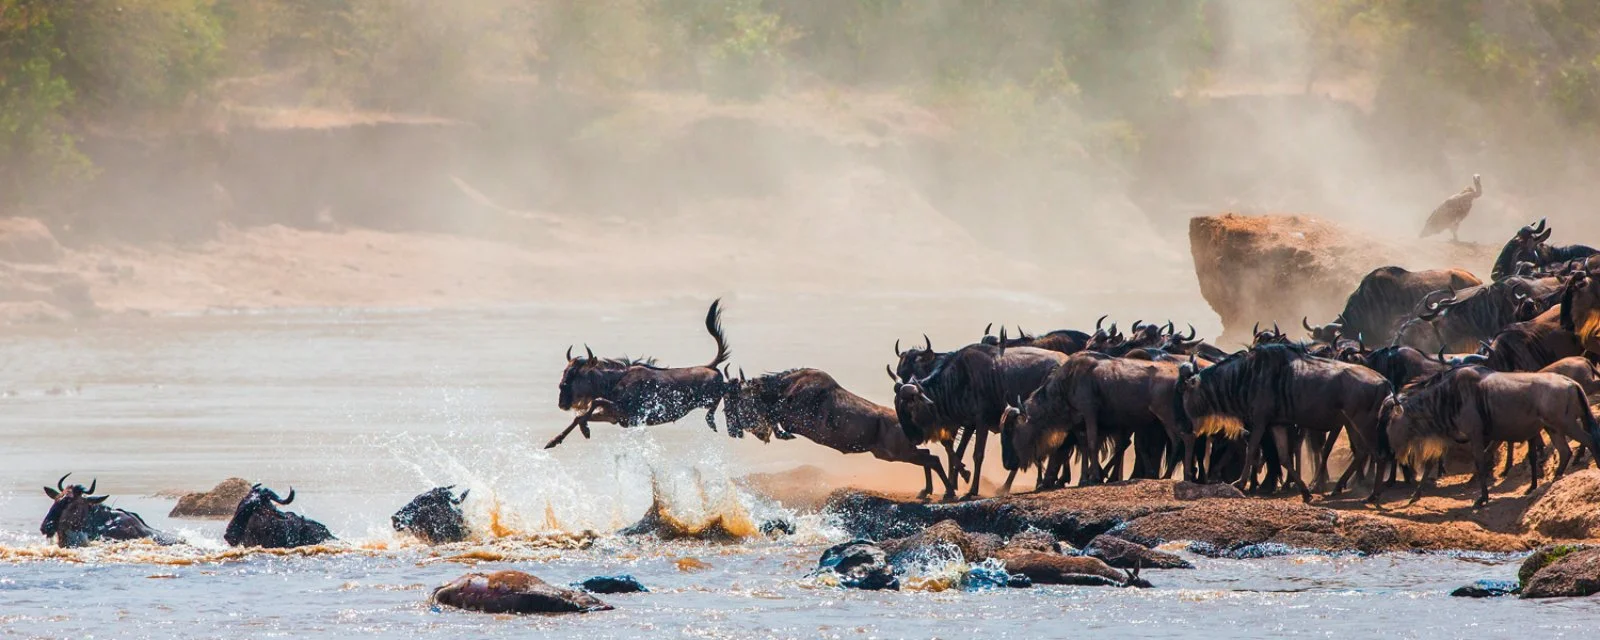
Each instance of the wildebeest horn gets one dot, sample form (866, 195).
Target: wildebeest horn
(927, 343)
(1306, 322)
(285, 500)
(987, 327)
(1275, 330)
(741, 374)
(569, 353)
(1192, 333)
(1102, 319)
(1136, 324)
(461, 498)
(1539, 226)
(896, 347)
(889, 370)
(1255, 330)
(92, 484)
(1170, 329)
(1441, 355)
(589, 351)
(60, 482)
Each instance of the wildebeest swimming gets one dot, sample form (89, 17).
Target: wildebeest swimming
(630, 393)
(434, 516)
(257, 522)
(77, 518)
(811, 404)
(1477, 406)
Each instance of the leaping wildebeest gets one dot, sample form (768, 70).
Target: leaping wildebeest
(77, 518)
(1477, 406)
(630, 393)
(434, 516)
(811, 404)
(257, 522)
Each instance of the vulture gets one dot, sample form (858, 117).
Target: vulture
(1454, 209)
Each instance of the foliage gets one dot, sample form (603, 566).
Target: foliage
(35, 147)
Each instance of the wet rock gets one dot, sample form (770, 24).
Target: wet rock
(219, 502)
(1032, 541)
(974, 547)
(513, 592)
(1195, 491)
(1569, 508)
(1543, 557)
(1122, 554)
(27, 241)
(860, 565)
(1050, 568)
(612, 584)
(1574, 575)
(1487, 589)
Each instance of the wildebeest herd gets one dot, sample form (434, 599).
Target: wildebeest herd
(1416, 364)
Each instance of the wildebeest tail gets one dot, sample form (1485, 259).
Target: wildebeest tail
(1586, 413)
(714, 327)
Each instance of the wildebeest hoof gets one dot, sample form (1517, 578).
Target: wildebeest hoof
(783, 435)
(513, 592)
(584, 429)
(1480, 503)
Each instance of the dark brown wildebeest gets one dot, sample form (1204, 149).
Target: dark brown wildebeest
(632, 393)
(1279, 388)
(1067, 341)
(1581, 370)
(968, 389)
(1584, 309)
(1478, 406)
(1387, 295)
(257, 522)
(1459, 321)
(77, 518)
(1522, 247)
(434, 517)
(811, 404)
(1103, 396)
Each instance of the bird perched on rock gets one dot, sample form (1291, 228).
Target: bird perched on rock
(1454, 209)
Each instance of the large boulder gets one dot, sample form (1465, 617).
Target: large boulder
(1280, 268)
(1544, 557)
(1573, 575)
(219, 502)
(1569, 508)
(27, 241)
(513, 592)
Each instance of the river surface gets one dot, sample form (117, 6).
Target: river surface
(360, 410)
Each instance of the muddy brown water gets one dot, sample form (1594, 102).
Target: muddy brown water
(359, 410)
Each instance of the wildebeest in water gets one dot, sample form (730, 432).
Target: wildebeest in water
(810, 403)
(257, 522)
(630, 393)
(434, 516)
(78, 518)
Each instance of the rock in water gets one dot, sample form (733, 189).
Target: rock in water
(1122, 554)
(1543, 557)
(1570, 508)
(1186, 490)
(974, 547)
(219, 502)
(860, 565)
(1573, 575)
(513, 592)
(612, 584)
(1049, 568)
(1487, 589)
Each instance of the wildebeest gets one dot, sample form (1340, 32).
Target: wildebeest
(257, 522)
(1581, 370)
(1387, 295)
(969, 389)
(1282, 389)
(1068, 341)
(1460, 320)
(1583, 309)
(1478, 406)
(1117, 397)
(77, 518)
(630, 393)
(1520, 248)
(811, 404)
(434, 516)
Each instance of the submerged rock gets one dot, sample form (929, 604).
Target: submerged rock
(219, 502)
(1122, 554)
(612, 584)
(1569, 508)
(1050, 568)
(1487, 589)
(513, 592)
(1543, 556)
(1572, 575)
(860, 565)
(974, 547)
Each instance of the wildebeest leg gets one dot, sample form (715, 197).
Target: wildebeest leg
(1511, 458)
(982, 436)
(1422, 482)
(1290, 441)
(1535, 464)
(600, 409)
(1090, 472)
(1558, 441)
(1252, 449)
(1480, 455)
(1005, 489)
(951, 478)
(1323, 444)
(956, 464)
